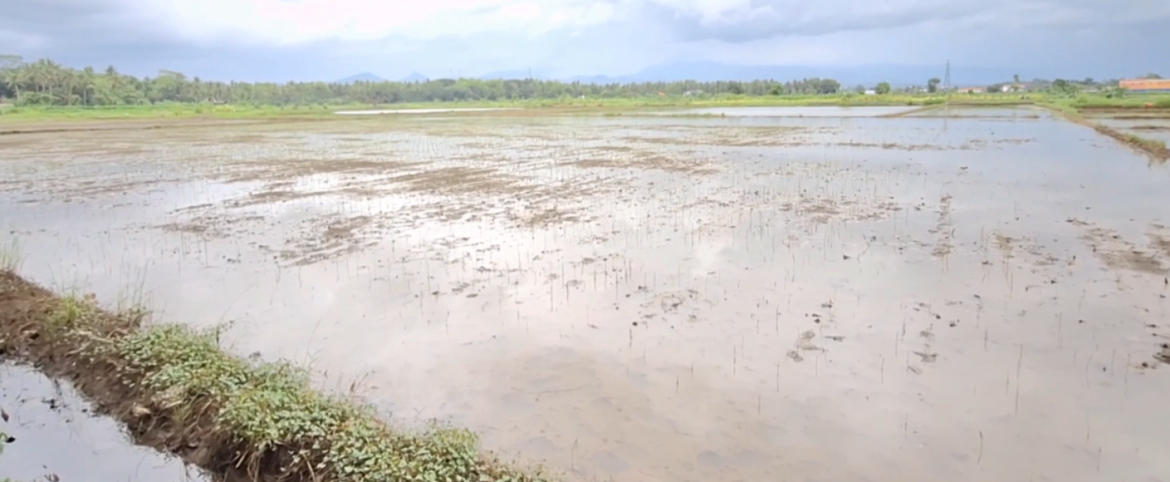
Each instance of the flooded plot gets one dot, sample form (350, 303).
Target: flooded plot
(817, 111)
(419, 111)
(1019, 113)
(48, 420)
(658, 298)
(1153, 128)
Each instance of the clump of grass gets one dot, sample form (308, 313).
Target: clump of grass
(175, 388)
(1150, 145)
(11, 256)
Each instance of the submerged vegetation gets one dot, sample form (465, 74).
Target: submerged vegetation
(178, 392)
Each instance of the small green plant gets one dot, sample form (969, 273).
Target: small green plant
(71, 313)
(11, 256)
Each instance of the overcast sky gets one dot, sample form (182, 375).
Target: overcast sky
(330, 39)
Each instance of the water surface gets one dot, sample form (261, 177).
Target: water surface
(835, 297)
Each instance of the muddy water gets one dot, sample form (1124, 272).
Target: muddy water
(634, 299)
(1018, 113)
(1152, 128)
(49, 420)
(416, 111)
(834, 111)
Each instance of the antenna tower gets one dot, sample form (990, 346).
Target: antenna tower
(947, 77)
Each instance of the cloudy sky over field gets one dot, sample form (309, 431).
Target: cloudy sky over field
(330, 39)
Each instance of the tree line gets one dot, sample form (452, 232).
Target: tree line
(46, 82)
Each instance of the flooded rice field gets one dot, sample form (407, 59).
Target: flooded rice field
(420, 111)
(1157, 128)
(819, 111)
(673, 299)
(1020, 113)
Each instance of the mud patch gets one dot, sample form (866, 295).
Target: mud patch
(944, 229)
(1119, 254)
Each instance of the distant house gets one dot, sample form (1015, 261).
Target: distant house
(1014, 88)
(870, 92)
(970, 90)
(1145, 85)
(692, 93)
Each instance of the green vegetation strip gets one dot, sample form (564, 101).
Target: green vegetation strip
(177, 391)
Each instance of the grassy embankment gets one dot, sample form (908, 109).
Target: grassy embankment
(178, 392)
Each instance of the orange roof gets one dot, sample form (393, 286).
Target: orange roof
(1145, 83)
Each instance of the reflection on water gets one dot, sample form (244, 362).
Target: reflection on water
(1157, 128)
(418, 111)
(48, 420)
(821, 111)
(659, 298)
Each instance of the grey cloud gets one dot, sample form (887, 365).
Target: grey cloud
(1037, 37)
(763, 19)
(82, 29)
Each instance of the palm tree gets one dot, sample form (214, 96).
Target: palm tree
(87, 80)
(115, 80)
(13, 78)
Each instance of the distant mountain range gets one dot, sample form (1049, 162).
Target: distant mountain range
(414, 77)
(368, 77)
(897, 75)
(362, 77)
(869, 75)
